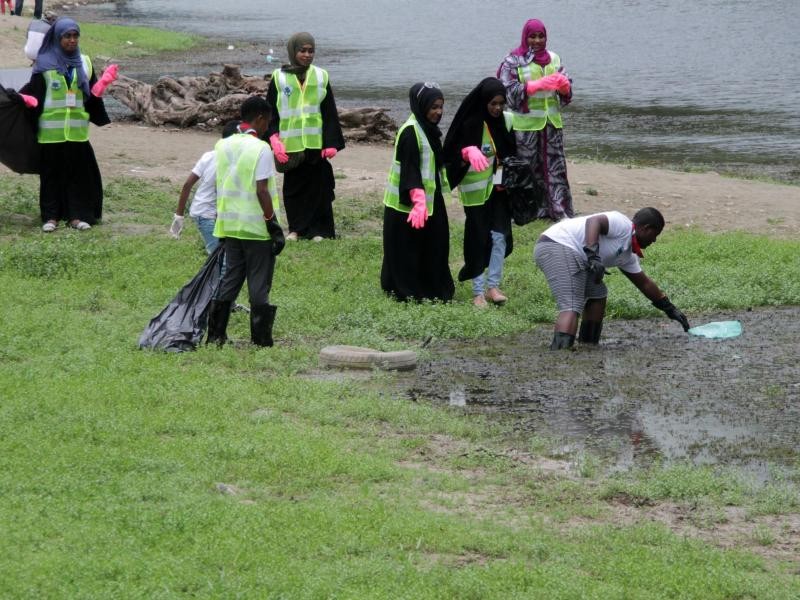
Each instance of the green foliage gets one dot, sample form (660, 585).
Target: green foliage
(249, 472)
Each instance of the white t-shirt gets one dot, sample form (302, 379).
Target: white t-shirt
(204, 203)
(615, 246)
(265, 167)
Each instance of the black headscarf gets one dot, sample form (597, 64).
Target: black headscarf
(421, 97)
(467, 128)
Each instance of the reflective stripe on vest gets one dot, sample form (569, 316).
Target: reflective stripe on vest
(59, 122)
(476, 187)
(427, 168)
(239, 213)
(544, 105)
(299, 108)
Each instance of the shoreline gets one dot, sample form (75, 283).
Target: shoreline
(706, 199)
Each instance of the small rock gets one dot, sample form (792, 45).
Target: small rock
(228, 490)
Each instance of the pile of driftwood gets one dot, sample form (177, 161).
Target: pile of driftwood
(208, 102)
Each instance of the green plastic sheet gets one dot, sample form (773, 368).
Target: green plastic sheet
(718, 330)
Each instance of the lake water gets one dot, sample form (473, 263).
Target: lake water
(713, 84)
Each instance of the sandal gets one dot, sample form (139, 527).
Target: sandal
(49, 227)
(80, 225)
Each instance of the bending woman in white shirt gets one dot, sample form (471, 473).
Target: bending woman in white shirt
(574, 254)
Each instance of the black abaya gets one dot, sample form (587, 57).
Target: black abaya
(494, 215)
(308, 190)
(467, 129)
(416, 262)
(70, 186)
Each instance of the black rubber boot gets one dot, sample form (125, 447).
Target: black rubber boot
(590, 332)
(562, 341)
(218, 314)
(262, 317)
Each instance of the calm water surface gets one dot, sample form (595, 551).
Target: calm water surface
(715, 83)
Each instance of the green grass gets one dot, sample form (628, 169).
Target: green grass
(243, 473)
(119, 41)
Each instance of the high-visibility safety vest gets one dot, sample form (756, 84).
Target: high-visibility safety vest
(476, 187)
(427, 168)
(543, 106)
(64, 118)
(299, 108)
(239, 213)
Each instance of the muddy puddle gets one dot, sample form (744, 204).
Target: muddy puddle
(649, 393)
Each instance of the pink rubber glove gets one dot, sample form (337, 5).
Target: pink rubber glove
(547, 83)
(278, 148)
(328, 152)
(475, 158)
(109, 76)
(30, 101)
(564, 86)
(419, 212)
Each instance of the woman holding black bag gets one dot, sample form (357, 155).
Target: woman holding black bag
(479, 138)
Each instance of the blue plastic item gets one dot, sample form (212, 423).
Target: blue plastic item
(718, 330)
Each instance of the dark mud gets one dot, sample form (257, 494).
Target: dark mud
(648, 393)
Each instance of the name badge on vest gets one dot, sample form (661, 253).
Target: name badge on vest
(497, 179)
(71, 101)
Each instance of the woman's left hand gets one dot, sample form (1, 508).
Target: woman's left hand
(30, 101)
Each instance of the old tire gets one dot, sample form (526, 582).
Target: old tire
(355, 357)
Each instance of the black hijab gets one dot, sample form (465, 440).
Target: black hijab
(421, 97)
(467, 128)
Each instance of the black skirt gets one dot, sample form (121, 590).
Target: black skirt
(70, 186)
(416, 261)
(308, 193)
(493, 215)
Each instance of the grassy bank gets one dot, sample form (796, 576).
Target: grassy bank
(250, 473)
(119, 42)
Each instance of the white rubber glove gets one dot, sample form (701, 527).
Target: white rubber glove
(176, 227)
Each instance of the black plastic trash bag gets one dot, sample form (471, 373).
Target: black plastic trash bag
(524, 193)
(19, 148)
(182, 323)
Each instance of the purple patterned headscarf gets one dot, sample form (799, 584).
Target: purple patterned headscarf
(541, 57)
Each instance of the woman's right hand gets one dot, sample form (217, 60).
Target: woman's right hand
(419, 212)
(278, 148)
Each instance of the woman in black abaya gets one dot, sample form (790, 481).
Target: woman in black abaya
(70, 189)
(308, 189)
(416, 235)
(480, 127)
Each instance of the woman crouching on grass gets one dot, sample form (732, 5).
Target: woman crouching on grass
(573, 255)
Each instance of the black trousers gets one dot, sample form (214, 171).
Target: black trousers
(37, 8)
(251, 260)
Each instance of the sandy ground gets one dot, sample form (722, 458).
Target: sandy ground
(705, 200)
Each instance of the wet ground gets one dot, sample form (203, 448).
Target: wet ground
(649, 392)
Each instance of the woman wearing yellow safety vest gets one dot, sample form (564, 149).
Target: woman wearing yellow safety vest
(416, 234)
(67, 97)
(537, 87)
(304, 133)
(479, 137)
